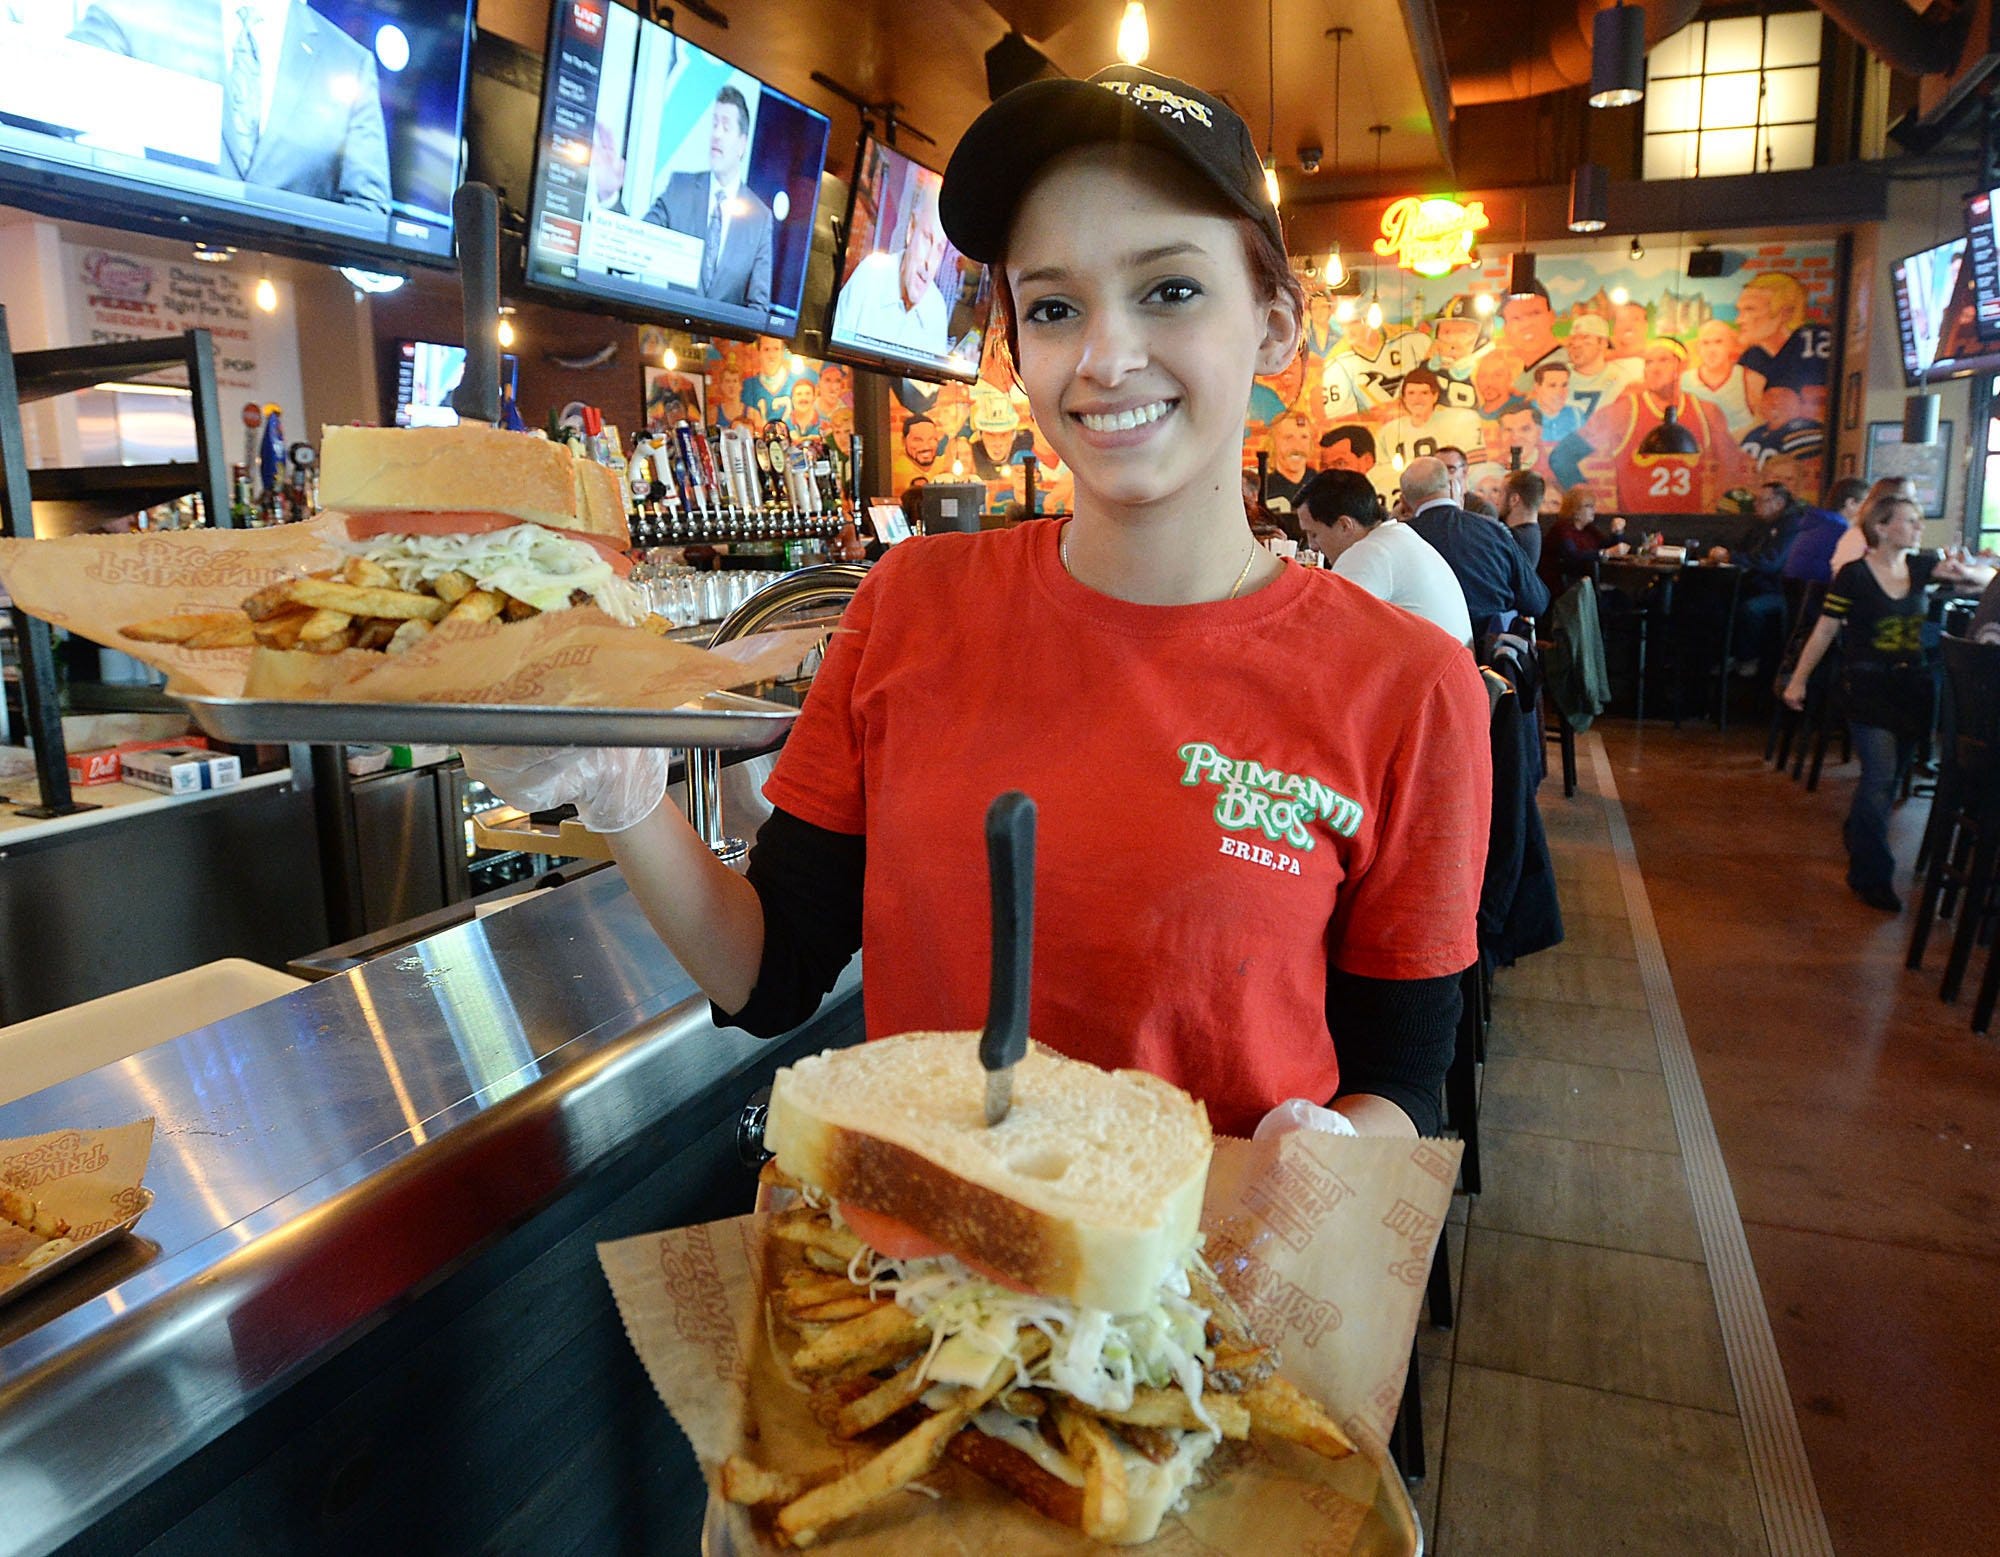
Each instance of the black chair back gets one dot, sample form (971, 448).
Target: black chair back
(1956, 617)
(1972, 682)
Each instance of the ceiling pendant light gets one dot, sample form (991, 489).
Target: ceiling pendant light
(1336, 268)
(1133, 41)
(1637, 251)
(1617, 57)
(1669, 437)
(1375, 313)
(1520, 273)
(267, 295)
(1589, 198)
(1343, 310)
(1271, 91)
(1920, 418)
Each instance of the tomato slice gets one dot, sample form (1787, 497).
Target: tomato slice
(367, 524)
(900, 1241)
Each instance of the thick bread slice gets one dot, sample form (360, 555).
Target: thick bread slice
(1090, 1189)
(600, 502)
(468, 468)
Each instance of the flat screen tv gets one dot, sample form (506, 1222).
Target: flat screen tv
(668, 183)
(1926, 284)
(1982, 253)
(329, 129)
(426, 372)
(1960, 350)
(907, 299)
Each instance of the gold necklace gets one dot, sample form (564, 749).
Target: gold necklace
(1062, 551)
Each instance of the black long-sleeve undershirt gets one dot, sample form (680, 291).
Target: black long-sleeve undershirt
(1394, 1036)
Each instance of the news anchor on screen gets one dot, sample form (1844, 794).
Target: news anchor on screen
(892, 299)
(717, 207)
(301, 103)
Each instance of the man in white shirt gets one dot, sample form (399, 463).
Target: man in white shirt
(1341, 516)
(891, 299)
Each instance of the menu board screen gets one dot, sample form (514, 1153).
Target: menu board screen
(1982, 248)
(667, 180)
(1926, 284)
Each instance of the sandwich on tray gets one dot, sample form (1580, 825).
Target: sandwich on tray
(1029, 1298)
(442, 524)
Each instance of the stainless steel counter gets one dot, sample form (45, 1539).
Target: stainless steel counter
(322, 1158)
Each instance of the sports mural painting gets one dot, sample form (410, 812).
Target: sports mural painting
(1566, 381)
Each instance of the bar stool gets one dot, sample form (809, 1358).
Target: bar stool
(1967, 847)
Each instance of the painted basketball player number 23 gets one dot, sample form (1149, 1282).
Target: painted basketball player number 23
(1431, 237)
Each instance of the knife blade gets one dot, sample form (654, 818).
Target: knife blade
(1010, 860)
(475, 220)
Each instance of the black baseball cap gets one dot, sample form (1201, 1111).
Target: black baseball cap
(1008, 144)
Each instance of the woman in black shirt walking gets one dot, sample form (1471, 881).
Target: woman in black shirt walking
(1878, 604)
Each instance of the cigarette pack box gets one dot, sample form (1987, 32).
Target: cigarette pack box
(94, 767)
(181, 770)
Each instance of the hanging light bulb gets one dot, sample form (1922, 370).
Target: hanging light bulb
(1271, 182)
(798, 364)
(1396, 460)
(1638, 249)
(505, 333)
(1620, 297)
(1336, 268)
(670, 359)
(1133, 42)
(1482, 304)
(1375, 313)
(267, 295)
(1344, 310)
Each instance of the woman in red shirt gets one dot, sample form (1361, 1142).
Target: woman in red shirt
(1263, 794)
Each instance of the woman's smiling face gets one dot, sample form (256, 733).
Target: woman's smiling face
(1140, 329)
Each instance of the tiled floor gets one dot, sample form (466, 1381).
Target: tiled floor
(1583, 1403)
(1860, 1122)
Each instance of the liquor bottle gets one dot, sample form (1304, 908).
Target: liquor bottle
(242, 501)
(271, 451)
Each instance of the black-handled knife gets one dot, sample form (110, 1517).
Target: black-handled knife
(475, 219)
(1010, 858)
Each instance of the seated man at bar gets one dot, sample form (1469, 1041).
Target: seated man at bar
(1760, 600)
(1811, 556)
(1461, 493)
(1523, 514)
(1341, 516)
(1493, 572)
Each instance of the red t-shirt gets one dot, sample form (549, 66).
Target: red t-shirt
(1226, 793)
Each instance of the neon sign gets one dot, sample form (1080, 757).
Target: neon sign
(1431, 237)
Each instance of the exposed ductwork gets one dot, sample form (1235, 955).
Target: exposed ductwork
(1915, 43)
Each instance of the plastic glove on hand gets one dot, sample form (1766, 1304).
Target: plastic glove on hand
(612, 787)
(1295, 1113)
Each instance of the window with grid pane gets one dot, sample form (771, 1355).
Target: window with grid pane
(1736, 95)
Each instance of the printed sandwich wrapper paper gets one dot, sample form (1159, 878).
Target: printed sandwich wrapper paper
(89, 1178)
(97, 584)
(1324, 1241)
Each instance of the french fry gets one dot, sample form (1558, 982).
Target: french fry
(517, 610)
(833, 1310)
(333, 595)
(282, 630)
(881, 1402)
(376, 632)
(323, 624)
(825, 1260)
(1171, 1408)
(23, 1210)
(874, 1340)
(1277, 1410)
(452, 587)
(480, 605)
(333, 643)
(236, 634)
(407, 636)
(181, 626)
(775, 1177)
(804, 1288)
(1105, 1503)
(270, 601)
(659, 626)
(902, 1462)
(367, 575)
(743, 1482)
(1153, 1443)
(1023, 1402)
(811, 1228)
(1237, 1368)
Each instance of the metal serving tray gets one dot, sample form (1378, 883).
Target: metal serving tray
(721, 721)
(77, 1252)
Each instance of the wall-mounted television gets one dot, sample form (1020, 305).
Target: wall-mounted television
(1982, 257)
(329, 129)
(1926, 284)
(907, 299)
(668, 183)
